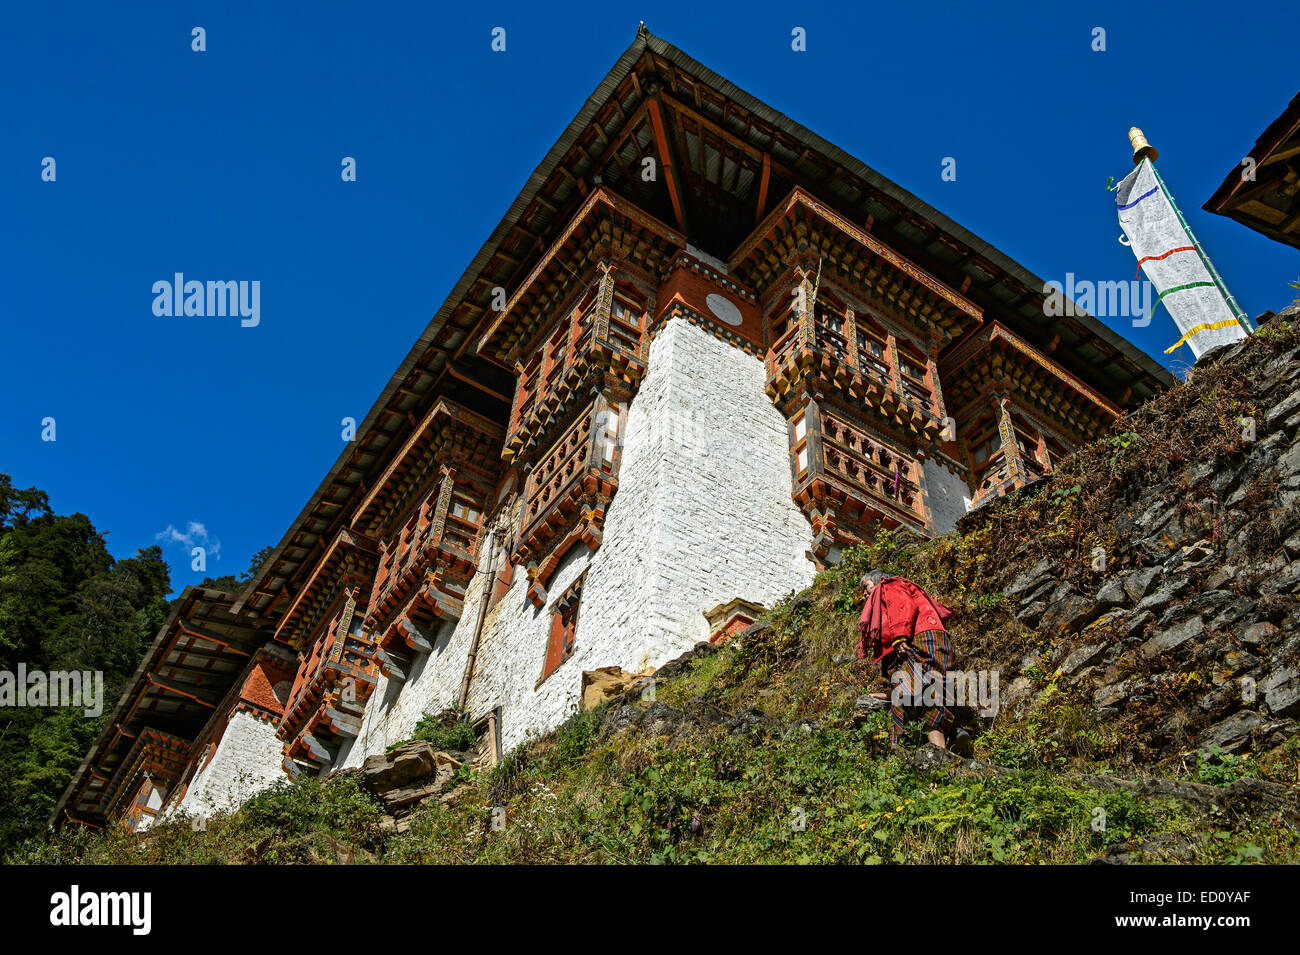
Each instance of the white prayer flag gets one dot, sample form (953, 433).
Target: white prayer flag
(1173, 263)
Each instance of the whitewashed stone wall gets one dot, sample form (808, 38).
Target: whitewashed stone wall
(247, 761)
(703, 514)
(946, 494)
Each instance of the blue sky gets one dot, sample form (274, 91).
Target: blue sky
(225, 164)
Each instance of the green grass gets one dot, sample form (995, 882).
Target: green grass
(837, 793)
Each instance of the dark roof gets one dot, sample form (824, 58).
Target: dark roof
(169, 691)
(1268, 204)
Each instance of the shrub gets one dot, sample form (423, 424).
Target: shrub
(443, 732)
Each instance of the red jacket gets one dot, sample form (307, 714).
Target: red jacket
(897, 609)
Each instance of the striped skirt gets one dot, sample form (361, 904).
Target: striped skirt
(916, 670)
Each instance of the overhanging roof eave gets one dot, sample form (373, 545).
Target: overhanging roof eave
(532, 186)
(901, 195)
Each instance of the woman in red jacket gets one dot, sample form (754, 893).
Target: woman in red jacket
(902, 629)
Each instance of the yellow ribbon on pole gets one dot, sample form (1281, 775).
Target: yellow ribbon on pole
(1199, 328)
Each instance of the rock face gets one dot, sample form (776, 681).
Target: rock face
(601, 685)
(1189, 638)
(865, 705)
(406, 778)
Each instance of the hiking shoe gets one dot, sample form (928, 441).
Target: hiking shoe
(961, 742)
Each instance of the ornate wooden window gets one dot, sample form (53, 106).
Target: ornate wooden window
(854, 457)
(874, 344)
(556, 357)
(597, 342)
(464, 521)
(848, 480)
(1008, 450)
(841, 356)
(335, 677)
(609, 425)
(141, 813)
(567, 492)
(1038, 450)
(783, 332)
(914, 377)
(526, 390)
(558, 470)
(564, 628)
(626, 317)
(985, 445)
(829, 322)
(426, 569)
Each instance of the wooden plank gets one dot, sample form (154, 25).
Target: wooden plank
(666, 159)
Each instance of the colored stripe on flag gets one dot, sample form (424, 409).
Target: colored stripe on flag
(1157, 258)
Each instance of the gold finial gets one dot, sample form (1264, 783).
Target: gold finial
(1141, 148)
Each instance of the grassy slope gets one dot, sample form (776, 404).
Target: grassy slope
(810, 786)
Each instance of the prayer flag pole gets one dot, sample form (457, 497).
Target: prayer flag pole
(1144, 150)
(1193, 292)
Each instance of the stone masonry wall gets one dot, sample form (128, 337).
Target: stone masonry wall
(1188, 636)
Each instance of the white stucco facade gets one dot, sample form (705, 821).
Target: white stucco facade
(946, 495)
(247, 760)
(703, 513)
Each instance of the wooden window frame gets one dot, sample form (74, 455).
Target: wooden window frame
(870, 332)
(502, 577)
(908, 355)
(627, 331)
(799, 445)
(985, 432)
(560, 642)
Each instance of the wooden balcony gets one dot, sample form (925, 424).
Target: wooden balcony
(155, 760)
(997, 478)
(849, 483)
(832, 357)
(597, 343)
(567, 492)
(424, 571)
(334, 681)
(447, 549)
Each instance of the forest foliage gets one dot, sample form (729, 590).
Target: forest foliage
(66, 604)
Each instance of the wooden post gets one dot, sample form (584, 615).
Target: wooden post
(895, 375)
(604, 301)
(932, 365)
(804, 315)
(1010, 449)
(851, 338)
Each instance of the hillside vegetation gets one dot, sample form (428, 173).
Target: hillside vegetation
(65, 605)
(1138, 607)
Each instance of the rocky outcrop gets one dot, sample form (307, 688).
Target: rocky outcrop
(604, 684)
(1186, 633)
(406, 778)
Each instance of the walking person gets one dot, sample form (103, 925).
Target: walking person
(902, 628)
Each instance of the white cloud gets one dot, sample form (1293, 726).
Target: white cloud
(195, 535)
